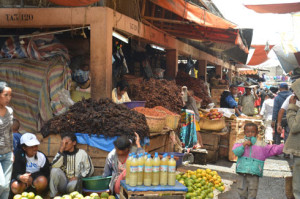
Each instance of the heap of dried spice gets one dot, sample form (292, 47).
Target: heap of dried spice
(101, 117)
(196, 85)
(157, 93)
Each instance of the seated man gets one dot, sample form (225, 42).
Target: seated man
(31, 168)
(68, 166)
(228, 99)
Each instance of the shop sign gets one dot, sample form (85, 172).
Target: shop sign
(133, 27)
(19, 17)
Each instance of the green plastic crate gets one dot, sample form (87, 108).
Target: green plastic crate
(96, 183)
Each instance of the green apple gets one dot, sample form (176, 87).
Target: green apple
(31, 195)
(94, 194)
(18, 196)
(74, 194)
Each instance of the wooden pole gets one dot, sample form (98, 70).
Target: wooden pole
(219, 70)
(203, 69)
(172, 63)
(101, 57)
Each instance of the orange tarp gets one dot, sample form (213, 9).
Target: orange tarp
(259, 56)
(211, 27)
(276, 8)
(194, 13)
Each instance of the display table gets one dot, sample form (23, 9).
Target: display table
(177, 192)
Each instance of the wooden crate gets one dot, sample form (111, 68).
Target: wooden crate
(224, 145)
(210, 141)
(51, 144)
(237, 133)
(98, 171)
(156, 142)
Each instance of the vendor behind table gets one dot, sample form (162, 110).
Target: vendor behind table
(119, 94)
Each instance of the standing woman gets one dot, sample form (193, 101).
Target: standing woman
(6, 139)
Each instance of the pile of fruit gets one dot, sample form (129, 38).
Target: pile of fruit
(214, 114)
(26, 195)
(201, 183)
(76, 195)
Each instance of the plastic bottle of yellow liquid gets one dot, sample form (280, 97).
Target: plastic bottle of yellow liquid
(141, 162)
(172, 171)
(133, 171)
(155, 170)
(128, 168)
(148, 171)
(164, 170)
(145, 156)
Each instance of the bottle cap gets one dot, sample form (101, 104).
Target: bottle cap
(156, 154)
(149, 155)
(134, 156)
(172, 156)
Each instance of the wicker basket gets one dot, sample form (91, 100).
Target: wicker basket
(156, 124)
(212, 125)
(172, 121)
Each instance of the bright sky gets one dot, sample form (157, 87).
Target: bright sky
(267, 27)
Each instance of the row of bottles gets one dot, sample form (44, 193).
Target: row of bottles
(143, 170)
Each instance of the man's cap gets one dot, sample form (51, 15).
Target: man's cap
(29, 139)
(284, 85)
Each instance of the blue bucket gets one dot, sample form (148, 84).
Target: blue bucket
(135, 104)
(175, 154)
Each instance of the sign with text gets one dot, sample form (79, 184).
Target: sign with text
(19, 17)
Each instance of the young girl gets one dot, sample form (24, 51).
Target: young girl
(6, 140)
(251, 159)
(115, 164)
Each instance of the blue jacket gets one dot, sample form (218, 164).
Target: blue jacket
(227, 100)
(279, 99)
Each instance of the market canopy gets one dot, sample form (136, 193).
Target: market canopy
(278, 8)
(192, 22)
(259, 55)
(287, 60)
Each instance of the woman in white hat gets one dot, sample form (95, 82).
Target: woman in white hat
(31, 168)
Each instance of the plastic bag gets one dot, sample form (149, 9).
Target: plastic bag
(65, 98)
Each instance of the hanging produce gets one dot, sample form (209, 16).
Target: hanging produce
(157, 93)
(196, 85)
(101, 117)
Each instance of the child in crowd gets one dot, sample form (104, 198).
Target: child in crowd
(251, 158)
(16, 135)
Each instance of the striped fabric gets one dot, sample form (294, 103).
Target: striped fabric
(35, 85)
(39, 48)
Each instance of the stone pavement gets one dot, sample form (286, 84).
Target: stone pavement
(271, 185)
